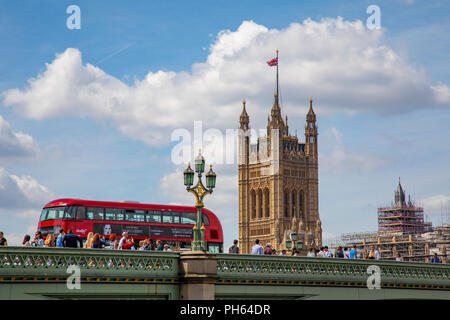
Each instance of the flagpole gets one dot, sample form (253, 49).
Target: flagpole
(277, 78)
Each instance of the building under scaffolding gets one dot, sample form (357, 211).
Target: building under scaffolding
(402, 217)
(402, 230)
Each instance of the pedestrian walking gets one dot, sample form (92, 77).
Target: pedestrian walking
(50, 241)
(435, 259)
(26, 241)
(257, 248)
(311, 253)
(38, 240)
(123, 240)
(321, 253)
(97, 242)
(353, 253)
(268, 249)
(159, 245)
(72, 240)
(339, 253)
(346, 253)
(234, 248)
(88, 243)
(59, 239)
(3, 241)
(326, 253)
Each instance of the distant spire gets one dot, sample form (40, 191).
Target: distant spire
(311, 116)
(400, 199)
(244, 119)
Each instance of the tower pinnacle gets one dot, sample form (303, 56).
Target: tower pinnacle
(244, 119)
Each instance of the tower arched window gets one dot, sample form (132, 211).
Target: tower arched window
(286, 203)
(260, 207)
(301, 203)
(294, 208)
(267, 213)
(253, 203)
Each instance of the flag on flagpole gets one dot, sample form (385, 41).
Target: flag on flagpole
(273, 62)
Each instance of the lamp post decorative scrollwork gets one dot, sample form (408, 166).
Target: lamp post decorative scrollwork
(199, 191)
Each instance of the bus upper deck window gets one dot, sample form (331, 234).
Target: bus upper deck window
(70, 212)
(113, 214)
(205, 219)
(167, 217)
(44, 215)
(51, 214)
(176, 217)
(94, 213)
(135, 215)
(188, 217)
(81, 213)
(154, 216)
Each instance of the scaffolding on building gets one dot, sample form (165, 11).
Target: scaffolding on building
(402, 231)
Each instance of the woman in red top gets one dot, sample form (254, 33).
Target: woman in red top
(129, 244)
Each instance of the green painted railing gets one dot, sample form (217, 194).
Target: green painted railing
(19, 262)
(323, 271)
(102, 265)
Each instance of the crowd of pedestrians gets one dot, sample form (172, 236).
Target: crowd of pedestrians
(125, 242)
(323, 252)
(93, 241)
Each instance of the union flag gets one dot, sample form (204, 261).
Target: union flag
(273, 62)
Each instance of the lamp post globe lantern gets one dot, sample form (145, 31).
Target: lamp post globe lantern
(199, 191)
(188, 176)
(294, 238)
(211, 179)
(199, 163)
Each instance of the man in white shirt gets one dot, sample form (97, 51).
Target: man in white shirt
(257, 249)
(326, 253)
(377, 254)
(321, 253)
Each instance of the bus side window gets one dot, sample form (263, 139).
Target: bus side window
(81, 213)
(135, 215)
(70, 212)
(188, 217)
(95, 213)
(51, 213)
(176, 217)
(113, 214)
(167, 217)
(154, 216)
(43, 215)
(205, 219)
(59, 213)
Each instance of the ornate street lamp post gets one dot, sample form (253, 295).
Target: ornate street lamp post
(199, 191)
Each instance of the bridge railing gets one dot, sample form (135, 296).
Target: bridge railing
(284, 269)
(53, 262)
(28, 263)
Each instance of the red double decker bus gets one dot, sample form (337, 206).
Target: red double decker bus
(171, 224)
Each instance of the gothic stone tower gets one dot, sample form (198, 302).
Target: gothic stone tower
(278, 183)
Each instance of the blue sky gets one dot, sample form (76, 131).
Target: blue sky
(154, 61)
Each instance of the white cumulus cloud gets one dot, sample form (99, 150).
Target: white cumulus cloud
(22, 192)
(436, 204)
(15, 144)
(343, 65)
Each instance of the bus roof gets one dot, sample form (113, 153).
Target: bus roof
(125, 205)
